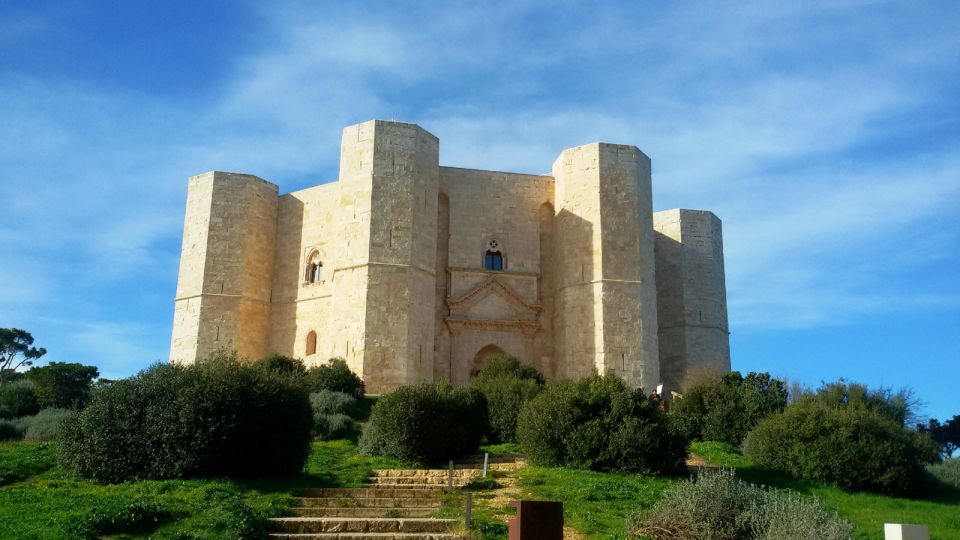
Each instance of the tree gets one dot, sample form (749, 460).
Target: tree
(946, 434)
(63, 385)
(16, 351)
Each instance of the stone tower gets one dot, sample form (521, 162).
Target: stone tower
(226, 267)
(411, 271)
(606, 302)
(691, 295)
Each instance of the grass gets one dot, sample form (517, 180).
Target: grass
(43, 503)
(595, 504)
(867, 511)
(20, 460)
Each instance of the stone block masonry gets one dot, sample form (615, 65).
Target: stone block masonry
(416, 272)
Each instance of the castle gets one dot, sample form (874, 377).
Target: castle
(415, 272)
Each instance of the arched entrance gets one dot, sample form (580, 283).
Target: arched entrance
(482, 357)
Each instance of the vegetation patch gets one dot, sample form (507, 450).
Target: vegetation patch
(507, 385)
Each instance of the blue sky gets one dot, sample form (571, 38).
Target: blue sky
(826, 135)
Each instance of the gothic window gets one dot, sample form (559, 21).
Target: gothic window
(493, 258)
(314, 268)
(311, 343)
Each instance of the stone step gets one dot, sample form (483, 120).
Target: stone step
(368, 502)
(368, 536)
(378, 491)
(357, 511)
(423, 473)
(361, 525)
(416, 480)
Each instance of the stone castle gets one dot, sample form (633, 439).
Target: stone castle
(415, 272)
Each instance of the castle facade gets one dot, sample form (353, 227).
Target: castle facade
(415, 272)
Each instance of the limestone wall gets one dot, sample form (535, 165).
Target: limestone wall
(691, 294)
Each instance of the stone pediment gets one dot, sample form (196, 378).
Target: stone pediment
(491, 299)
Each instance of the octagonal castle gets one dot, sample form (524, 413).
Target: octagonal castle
(415, 272)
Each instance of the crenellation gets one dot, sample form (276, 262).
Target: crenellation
(414, 272)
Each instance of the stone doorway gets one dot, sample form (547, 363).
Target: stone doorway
(482, 357)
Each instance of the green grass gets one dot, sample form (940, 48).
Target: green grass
(503, 449)
(867, 511)
(20, 460)
(595, 504)
(44, 503)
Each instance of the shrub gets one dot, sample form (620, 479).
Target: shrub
(853, 447)
(214, 418)
(18, 399)
(426, 424)
(10, 430)
(507, 385)
(725, 408)
(329, 402)
(45, 425)
(599, 423)
(716, 505)
(335, 376)
(333, 426)
(282, 364)
(63, 385)
(946, 472)
(895, 406)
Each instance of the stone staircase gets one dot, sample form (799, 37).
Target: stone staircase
(398, 504)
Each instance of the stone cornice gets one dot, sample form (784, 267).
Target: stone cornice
(528, 328)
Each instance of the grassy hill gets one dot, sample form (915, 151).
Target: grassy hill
(37, 501)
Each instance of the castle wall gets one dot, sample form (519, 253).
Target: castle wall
(485, 206)
(307, 222)
(691, 294)
(606, 296)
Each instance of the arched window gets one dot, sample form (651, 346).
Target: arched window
(314, 268)
(493, 258)
(311, 343)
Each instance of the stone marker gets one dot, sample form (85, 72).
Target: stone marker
(898, 531)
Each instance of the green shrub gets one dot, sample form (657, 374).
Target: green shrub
(725, 408)
(853, 447)
(328, 402)
(335, 376)
(507, 385)
(63, 385)
(895, 406)
(11, 430)
(17, 399)
(946, 472)
(333, 426)
(716, 505)
(44, 425)
(426, 424)
(214, 418)
(282, 364)
(599, 423)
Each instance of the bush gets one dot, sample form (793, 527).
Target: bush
(17, 399)
(599, 423)
(11, 430)
(946, 472)
(507, 385)
(335, 376)
(45, 425)
(214, 418)
(333, 426)
(63, 385)
(897, 407)
(716, 505)
(426, 424)
(853, 447)
(725, 408)
(328, 402)
(282, 364)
